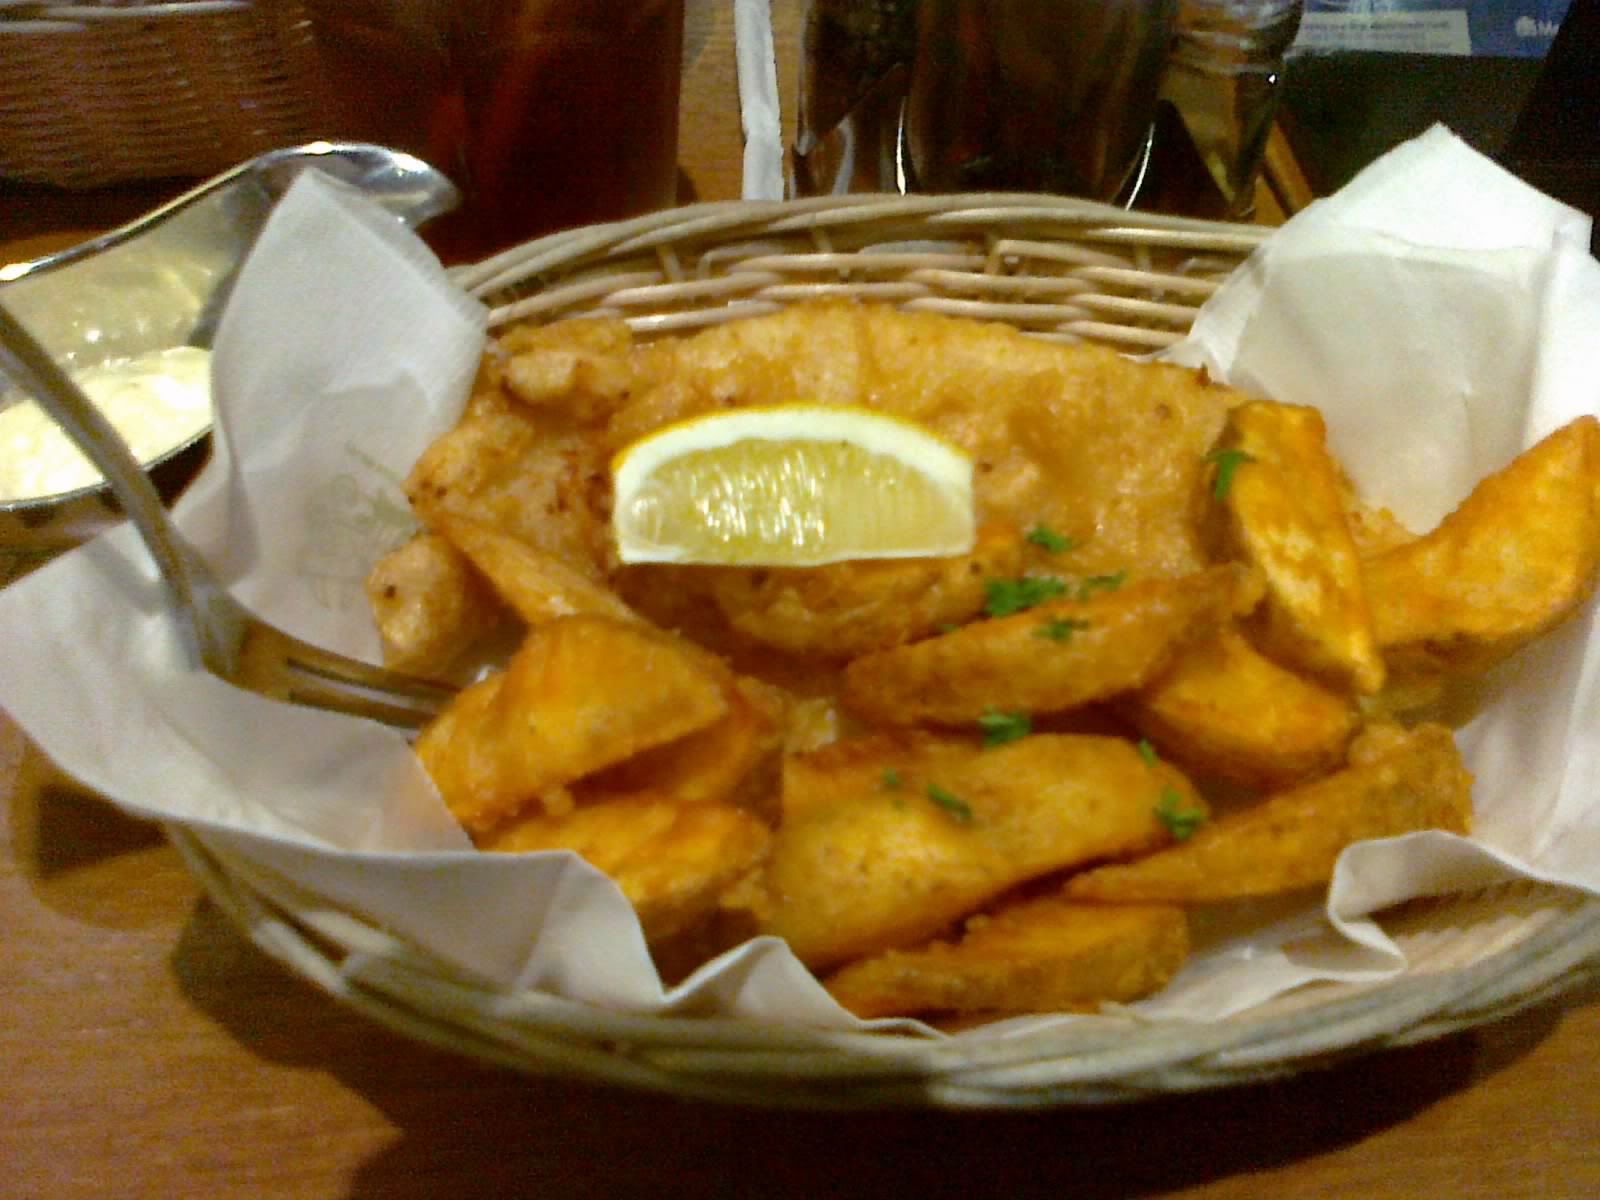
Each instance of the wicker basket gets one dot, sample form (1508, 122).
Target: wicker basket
(93, 96)
(1058, 268)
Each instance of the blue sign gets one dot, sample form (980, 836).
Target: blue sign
(1499, 28)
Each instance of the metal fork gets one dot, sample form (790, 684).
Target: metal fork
(226, 638)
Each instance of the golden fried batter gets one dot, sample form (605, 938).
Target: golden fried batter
(1041, 956)
(1517, 557)
(846, 609)
(556, 714)
(1286, 516)
(885, 841)
(1403, 782)
(1049, 658)
(1076, 438)
(1225, 711)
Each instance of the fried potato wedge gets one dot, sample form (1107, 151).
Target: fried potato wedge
(1040, 956)
(1516, 558)
(534, 584)
(1286, 516)
(1050, 658)
(580, 694)
(731, 761)
(671, 862)
(1397, 782)
(1225, 711)
(846, 609)
(885, 842)
(430, 606)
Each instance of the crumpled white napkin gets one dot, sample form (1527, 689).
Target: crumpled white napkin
(346, 349)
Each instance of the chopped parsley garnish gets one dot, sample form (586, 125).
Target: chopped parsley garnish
(890, 780)
(1048, 539)
(951, 803)
(1227, 461)
(1101, 583)
(1147, 752)
(1059, 629)
(1003, 597)
(1002, 727)
(1181, 822)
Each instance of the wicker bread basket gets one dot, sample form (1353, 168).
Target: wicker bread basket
(1057, 268)
(98, 95)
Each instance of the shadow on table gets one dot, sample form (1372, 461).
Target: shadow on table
(468, 1130)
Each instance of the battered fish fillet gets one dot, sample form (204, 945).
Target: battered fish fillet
(1079, 439)
(430, 605)
(846, 609)
(541, 481)
(1056, 656)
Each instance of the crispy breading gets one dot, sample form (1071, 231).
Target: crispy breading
(733, 760)
(1077, 438)
(1397, 782)
(1043, 955)
(845, 609)
(429, 605)
(886, 841)
(535, 584)
(1516, 558)
(1055, 656)
(537, 480)
(585, 369)
(557, 713)
(1225, 711)
(671, 862)
(1286, 516)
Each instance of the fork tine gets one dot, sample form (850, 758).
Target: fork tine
(336, 668)
(359, 704)
(282, 666)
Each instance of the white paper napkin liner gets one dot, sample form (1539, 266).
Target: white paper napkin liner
(760, 118)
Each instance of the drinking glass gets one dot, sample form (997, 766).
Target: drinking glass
(548, 114)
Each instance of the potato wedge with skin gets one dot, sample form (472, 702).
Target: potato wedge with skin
(580, 694)
(1225, 711)
(1285, 511)
(1516, 558)
(672, 863)
(430, 606)
(1056, 656)
(731, 761)
(1397, 782)
(885, 842)
(846, 609)
(1043, 955)
(537, 586)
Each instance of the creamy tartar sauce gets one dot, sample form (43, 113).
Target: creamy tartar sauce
(156, 401)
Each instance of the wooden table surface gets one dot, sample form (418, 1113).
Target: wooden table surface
(147, 1050)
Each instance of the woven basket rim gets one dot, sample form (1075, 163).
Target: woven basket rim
(732, 1060)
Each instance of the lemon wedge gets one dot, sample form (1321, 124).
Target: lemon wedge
(793, 485)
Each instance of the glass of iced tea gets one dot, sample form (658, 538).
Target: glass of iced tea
(548, 114)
